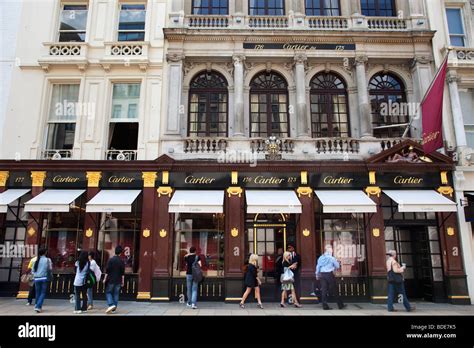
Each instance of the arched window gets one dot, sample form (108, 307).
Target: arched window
(269, 106)
(267, 7)
(378, 8)
(387, 99)
(329, 109)
(323, 7)
(208, 99)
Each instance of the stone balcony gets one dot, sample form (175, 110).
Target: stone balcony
(297, 22)
(127, 53)
(342, 149)
(64, 53)
(460, 56)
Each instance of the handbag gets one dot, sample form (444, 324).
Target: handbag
(287, 277)
(28, 278)
(49, 273)
(394, 277)
(90, 279)
(196, 270)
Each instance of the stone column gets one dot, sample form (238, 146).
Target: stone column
(300, 81)
(146, 241)
(91, 220)
(239, 123)
(175, 85)
(456, 110)
(422, 77)
(33, 233)
(365, 114)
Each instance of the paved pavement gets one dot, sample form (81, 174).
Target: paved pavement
(11, 306)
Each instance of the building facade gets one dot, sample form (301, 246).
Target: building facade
(454, 26)
(259, 124)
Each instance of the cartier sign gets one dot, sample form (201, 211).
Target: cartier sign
(66, 180)
(200, 180)
(339, 180)
(407, 180)
(122, 179)
(294, 46)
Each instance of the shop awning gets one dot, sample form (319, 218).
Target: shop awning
(10, 196)
(56, 201)
(184, 201)
(346, 201)
(414, 201)
(112, 201)
(278, 202)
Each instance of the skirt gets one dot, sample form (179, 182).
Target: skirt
(287, 286)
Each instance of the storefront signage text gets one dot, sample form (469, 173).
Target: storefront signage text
(405, 180)
(290, 46)
(339, 180)
(191, 179)
(269, 180)
(19, 179)
(401, 180)
(65, 179)
(120, 180)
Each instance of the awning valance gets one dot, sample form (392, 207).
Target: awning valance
(112, 201)
(9, 196)
(184, 201)
(56, 201)
(346, 201)
(277, 202)
(414, 201)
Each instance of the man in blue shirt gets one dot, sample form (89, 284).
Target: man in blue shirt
(325, 268)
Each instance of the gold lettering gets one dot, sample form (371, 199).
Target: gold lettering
(330, 180)
(65, 179)
(295, 47)
(121, 180)
(200, 180)
(400, 180)
(268, 181)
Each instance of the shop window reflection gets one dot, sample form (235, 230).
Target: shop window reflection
(62, 233)
(120, 229)
(206, 233)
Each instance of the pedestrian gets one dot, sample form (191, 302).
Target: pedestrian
(43, 273)
(98, 274)
(80, 289)
(295, 262)
(325, 268)
(252, 281)
(192, 259)
(31, 281)
(396, 282)
(287, 281)
(114, 280)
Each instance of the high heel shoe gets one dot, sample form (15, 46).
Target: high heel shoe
(259, 305)
(297, 305)
(241, 305)
(282, 305)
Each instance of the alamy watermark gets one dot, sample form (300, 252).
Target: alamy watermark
(12, 250)
(396, 109)
(238, 156)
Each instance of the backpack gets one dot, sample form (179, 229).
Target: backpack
(197, 272)
(90, 280)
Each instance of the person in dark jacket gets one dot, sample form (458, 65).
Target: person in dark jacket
(191, 285)
(295, 266)
(114, 280)
(252, 281)
(278, 271)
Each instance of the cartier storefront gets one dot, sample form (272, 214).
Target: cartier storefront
(158, 209)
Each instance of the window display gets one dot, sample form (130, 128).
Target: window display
(206, 233)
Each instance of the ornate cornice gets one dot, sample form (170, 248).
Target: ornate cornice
(93, 178)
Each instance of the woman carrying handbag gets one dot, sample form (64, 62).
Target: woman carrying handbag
(287, 282)
(252, 282)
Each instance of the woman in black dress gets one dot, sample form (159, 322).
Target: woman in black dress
(252, 282)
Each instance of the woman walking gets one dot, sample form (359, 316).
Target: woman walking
(42, 271)
(191, 284)
(252, 281)
(98, 274)
(287, 282)
(82, 269)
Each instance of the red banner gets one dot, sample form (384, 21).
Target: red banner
(432, 112)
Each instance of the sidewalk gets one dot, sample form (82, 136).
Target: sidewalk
(11, 307)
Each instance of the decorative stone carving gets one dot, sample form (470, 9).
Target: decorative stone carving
(174, 57)
(93, 178)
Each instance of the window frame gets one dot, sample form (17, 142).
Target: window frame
(209, 7)
(464, 35)
(266, 9)
(50, 122)
(85, 31)
(133, 30)
(330, 93)
(208, 92)
(322, 9)
(111, 110)
(378, 10)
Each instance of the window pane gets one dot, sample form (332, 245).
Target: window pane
(132, 23)
(454, 21)
(125, 100)
(74, 19)
(60, 136)
(64, 102)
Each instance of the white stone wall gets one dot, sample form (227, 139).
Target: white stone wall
(10, 11)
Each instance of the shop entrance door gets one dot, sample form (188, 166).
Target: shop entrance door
(418, 247)
(268, 237)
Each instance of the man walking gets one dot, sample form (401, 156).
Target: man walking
(114, 280)
(325, 268)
